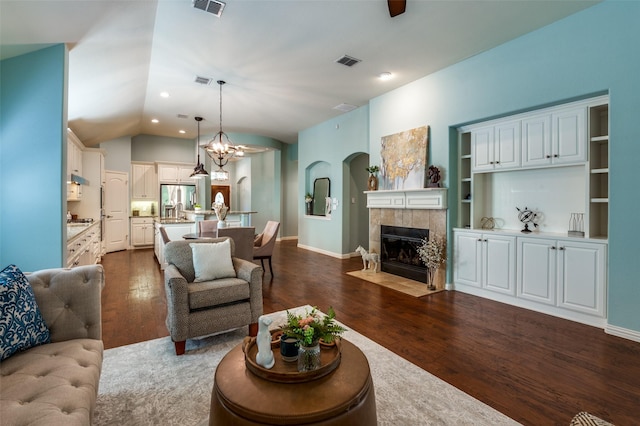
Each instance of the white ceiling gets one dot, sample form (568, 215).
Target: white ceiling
(277, 56)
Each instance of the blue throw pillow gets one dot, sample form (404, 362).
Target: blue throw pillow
(21, 323)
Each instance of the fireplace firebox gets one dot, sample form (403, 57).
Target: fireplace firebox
(399, 247)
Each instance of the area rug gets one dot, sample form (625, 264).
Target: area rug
(147, 384)
(394, 282)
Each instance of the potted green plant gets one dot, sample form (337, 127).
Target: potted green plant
(372, 183)
(310, 330)
(197, 207)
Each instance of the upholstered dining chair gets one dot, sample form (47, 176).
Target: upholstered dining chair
(209, 290)
(265, 242)
(163, 234)
(208, 226)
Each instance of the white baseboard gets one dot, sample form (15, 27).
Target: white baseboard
(295, 237)
(325, 252)
(625, 333)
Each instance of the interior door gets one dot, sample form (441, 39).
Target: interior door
(116, 218)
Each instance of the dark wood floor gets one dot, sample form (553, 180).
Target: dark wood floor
(535, 368)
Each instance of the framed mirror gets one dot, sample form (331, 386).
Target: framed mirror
(321, 190)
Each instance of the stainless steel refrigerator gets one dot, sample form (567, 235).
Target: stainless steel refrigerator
(174, 199)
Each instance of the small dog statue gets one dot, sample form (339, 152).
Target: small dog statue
(368, 259)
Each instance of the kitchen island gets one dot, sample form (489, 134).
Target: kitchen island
(234, 218)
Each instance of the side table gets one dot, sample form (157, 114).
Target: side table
(342, 398)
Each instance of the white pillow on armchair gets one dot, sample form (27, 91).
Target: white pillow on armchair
(212, 261)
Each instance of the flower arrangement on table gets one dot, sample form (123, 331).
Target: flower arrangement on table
(312, 327)
(220, 210)
(431, 252)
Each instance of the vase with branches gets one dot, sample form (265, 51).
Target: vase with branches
(431, 252)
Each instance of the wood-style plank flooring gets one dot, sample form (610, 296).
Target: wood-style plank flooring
(535, 368)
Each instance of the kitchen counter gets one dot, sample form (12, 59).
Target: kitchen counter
(238, 218)
(75, 229)
(171, 221)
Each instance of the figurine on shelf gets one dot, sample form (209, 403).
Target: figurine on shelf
(434, 177)
(265, 354)
(527, 217)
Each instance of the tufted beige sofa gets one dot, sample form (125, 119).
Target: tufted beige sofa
(57, 383)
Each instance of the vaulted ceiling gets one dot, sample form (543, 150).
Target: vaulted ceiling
(277, 56)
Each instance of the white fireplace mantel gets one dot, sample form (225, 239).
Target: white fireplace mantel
(422, 198)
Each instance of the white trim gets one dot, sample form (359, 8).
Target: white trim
(325, 252)
(625, 333)
(421, 198)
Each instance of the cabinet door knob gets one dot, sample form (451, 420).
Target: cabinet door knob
(555, 155)
(497, 162)
(547, 156)
(560, 248)
(553, 247)
(480, 239)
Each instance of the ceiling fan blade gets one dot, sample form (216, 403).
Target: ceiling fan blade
(396, 7)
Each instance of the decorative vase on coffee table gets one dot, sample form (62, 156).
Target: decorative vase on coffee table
(309, 357)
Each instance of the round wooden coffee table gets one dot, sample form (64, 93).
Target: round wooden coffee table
(343, 397)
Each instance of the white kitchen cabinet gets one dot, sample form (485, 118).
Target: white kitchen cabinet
(142, 232)
(496, 147)
(74, 155)
(84, 249)
(175, 173)
(158, 245)
(143, 182)
(566, 273)
(485, 260)
(175, 231)
(555, 138)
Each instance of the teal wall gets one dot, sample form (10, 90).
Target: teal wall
(33, 129)
(592, 52)
(118, 156)
(159, 148)
(331, 142)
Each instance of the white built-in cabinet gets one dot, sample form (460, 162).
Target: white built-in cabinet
(144, 185)
(496, 147)
(485, 261)
(175, 173)
(142, 231)
(562, 272)
(552, 271)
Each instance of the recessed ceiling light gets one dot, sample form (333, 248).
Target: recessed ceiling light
(182, 131)
(155, 120)
(384, 76)
(164, 94)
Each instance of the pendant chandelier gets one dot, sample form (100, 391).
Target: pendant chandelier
(199, 171)
(220, 149)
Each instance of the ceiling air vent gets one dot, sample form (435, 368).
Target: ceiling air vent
(202, 80)
(212, 6)
(348, 60)
(183, 116)
(345, 107)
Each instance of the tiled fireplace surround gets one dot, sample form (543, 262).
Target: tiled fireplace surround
(429, 216)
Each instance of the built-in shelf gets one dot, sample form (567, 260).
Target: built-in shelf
(595, 171)
(600, 138)
(599, 200)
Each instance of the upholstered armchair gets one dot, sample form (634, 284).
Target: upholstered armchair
(209, 290)
(265, 242)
